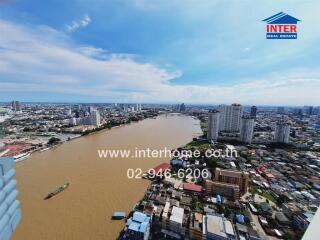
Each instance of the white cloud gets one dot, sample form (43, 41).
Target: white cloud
(80, 23)
(41, 59)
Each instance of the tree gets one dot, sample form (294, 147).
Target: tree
(53, 141)
(212, 163)
(281, 199)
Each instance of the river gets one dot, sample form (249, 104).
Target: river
(98, 187)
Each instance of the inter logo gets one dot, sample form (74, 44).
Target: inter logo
(281, 26)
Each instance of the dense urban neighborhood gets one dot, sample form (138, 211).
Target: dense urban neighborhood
(268, 189)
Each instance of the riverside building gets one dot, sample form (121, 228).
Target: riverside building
(230, 116)
(213, 125)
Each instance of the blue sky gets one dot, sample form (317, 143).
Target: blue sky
(189, 51)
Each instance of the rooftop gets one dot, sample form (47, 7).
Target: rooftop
(177, 215)
(192, 187)
(162, 167)
(214, 225)
(139, 222)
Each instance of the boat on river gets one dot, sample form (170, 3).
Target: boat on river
(57, 190)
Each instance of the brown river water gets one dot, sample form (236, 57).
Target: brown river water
(98, 187)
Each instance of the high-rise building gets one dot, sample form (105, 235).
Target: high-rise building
(253, 112)
(246, 129)
(230, 117)
(298, 111)
(16, 106)
(91, 109)
(280, 110)
(182, 107)
(68, 112)
(308, 110)
(95, 118)
(138, 107)
(282, 132)
(316, 111)
(10, 213)
(73, 121)
(213, 125)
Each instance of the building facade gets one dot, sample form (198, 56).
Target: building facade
(95, 118)
(213, 125)
(230, 191)
(246, 129)
(230, 117)
(10, 213)
(182, 107)
(253, 112)
(16, 106)
(228, 183)
(282, 132)
(233, 177)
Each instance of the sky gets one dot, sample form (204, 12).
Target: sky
(161, 51)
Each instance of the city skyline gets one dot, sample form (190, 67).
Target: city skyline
(164, 51)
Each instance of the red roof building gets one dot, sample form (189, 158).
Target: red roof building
(162, 167)
(192, 187)
(270, 176)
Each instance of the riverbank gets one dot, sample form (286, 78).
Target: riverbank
(22, 153)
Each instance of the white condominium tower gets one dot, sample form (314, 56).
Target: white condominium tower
(230, 116)
(246, 129)
(213, 125)
(282, 132)
(95, 118)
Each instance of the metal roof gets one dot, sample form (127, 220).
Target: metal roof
(177, 214)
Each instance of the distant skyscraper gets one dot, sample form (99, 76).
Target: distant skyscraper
(253, 112)
(138, 107)
(182, 107)
(308, 110)
(282, 132)
(91, 109)
(316, 111)
(68, 112)
(230, 117)
(246, 129)
(16, 106)
(213, 125)
(298, 111)
(95, 118)
(280, 110)
(10, 213)
(73, 121)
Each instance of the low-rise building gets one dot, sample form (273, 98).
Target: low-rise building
(138, 227)
(215, 227)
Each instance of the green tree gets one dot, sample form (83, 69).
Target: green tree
(53, 141)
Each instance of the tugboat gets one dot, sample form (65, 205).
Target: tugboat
(57, 190)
